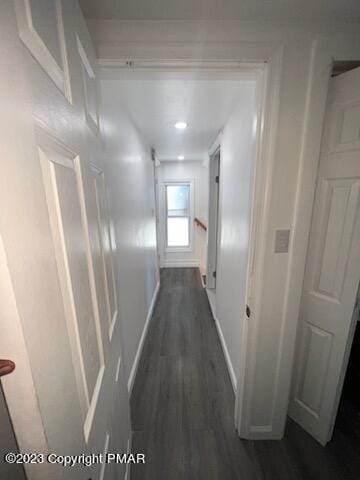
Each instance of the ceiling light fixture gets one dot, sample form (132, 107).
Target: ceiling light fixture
(180, 125)
(181, 157)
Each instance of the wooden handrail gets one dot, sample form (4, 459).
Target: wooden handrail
(199, 223)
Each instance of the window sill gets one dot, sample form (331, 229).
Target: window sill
(178, 249)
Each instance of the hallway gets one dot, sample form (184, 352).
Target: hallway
(182, 405)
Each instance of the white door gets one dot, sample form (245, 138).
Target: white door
(59, 319)
(333, 265)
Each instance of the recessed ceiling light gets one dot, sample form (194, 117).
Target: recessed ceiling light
(180, 125)
(181, 157)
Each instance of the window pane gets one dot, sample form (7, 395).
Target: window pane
(177, 200)
(178, 232)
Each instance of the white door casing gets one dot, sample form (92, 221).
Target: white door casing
(67, 395)
(213, 222)
(332, 267)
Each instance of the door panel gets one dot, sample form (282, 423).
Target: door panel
(63, 196)
(339, 199)
(89, 87)
(332, 269)
(40, 25)
(106, 248)
(73, 235)
(78, 212)
(44, 22)
(317, 347)
(343, 132)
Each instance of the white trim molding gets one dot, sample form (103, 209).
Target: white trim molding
(215, 146)
(230, 367)
(181, 263)
(226, 355)
(139, 350)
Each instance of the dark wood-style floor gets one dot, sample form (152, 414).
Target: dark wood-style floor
(182, 406)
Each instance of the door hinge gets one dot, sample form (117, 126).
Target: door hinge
(214, 274)
(217, 178)
(248, 311)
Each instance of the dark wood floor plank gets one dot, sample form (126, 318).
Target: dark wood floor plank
(182, 405)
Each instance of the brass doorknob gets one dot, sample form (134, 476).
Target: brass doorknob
(6, 367)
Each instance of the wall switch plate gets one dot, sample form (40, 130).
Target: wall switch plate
(282, 240)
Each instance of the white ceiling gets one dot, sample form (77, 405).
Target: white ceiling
(263, 10)
(156, 105)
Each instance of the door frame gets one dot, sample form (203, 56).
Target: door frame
(267, 74)
(214, 219)
(322, 71)
(155, 213)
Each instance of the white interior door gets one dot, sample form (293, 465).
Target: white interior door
(59, 322)
(333, 265)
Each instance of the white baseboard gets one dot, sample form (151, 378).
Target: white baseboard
(227, 356)
(135, 364)
(263, 432)
(212, 301)
(261, 429)
(180, 263)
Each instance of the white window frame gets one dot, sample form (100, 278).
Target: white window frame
(167, 183)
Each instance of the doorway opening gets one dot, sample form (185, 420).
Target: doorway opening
(348, 415)
(200, 121)
(213, 227)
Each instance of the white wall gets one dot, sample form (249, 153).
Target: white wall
(236, 162)
(130, 177)
(185, 170)
(300, 56)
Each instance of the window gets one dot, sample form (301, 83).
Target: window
(178, 215)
